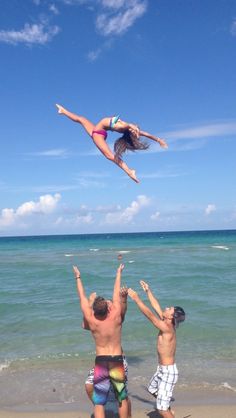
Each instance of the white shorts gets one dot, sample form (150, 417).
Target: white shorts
(90, 378)
(162, 385)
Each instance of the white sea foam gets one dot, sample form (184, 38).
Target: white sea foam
(131, 261)
(227, 386)
(220, 247)
(68, 255)
(93, 249)
(4, 366)
(124, 252)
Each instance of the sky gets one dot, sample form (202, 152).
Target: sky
(169, 66)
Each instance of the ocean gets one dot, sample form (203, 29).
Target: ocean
(44, 352)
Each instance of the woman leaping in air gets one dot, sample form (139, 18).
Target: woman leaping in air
(130, 140)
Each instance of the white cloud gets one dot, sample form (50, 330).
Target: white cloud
(126, 13)
(45, 205)
(203, 131)
(57, 152)
(161, 175)
(233, 28)
(7, 217)
(93, 55)
(210, 208)
(155, 216)
(127, 215)
(53, 9)
(30, 34)
(113, 4)
(84, 219)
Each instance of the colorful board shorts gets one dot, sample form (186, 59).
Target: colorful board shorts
(108, 372)
(90, 378)
(162, 385)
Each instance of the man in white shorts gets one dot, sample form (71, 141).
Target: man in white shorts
(162, 383)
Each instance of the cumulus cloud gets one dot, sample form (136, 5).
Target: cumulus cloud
(30, 34)
(210, 208)
(45, 205)
(119, 16)
(127, 215)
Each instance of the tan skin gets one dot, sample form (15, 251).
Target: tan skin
(106, 331)
(166, 339)
(100, 141)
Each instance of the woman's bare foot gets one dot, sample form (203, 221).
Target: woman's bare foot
(60, 109)
(132, 175)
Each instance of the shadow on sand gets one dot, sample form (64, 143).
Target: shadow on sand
(112, 414)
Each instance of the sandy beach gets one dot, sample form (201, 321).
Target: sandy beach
(188, 404)
(190, 411)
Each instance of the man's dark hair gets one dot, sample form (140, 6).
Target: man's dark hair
(100, 306)
(179, 316)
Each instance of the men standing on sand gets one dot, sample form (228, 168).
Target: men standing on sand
(104, 320)
(163, 381)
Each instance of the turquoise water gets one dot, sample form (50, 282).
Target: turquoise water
(43, 346)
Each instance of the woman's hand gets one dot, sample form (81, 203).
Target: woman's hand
(162, 143)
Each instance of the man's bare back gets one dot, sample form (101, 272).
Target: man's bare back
(107, 332)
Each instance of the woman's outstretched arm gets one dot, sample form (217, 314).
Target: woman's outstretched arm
(162, 143)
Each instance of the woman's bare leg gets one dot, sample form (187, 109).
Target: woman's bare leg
(87, 125)
(103, 147)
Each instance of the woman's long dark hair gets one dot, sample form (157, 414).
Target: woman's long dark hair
(128, 142)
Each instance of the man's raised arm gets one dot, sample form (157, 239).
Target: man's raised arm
(84, 303)
(116, 291)
(123, 300)
(158, 323)
(154, 302)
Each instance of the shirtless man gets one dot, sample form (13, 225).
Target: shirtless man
(90, 378)
(163, 381)
(104, 320)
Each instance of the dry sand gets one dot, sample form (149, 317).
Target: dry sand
(188, 411)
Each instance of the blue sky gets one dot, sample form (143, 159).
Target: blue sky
(169, 66)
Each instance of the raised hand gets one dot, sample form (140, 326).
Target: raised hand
(76, 272)
(124, 292)
(121, 267)
(162, 143)
(132, 294)
(144, 285)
